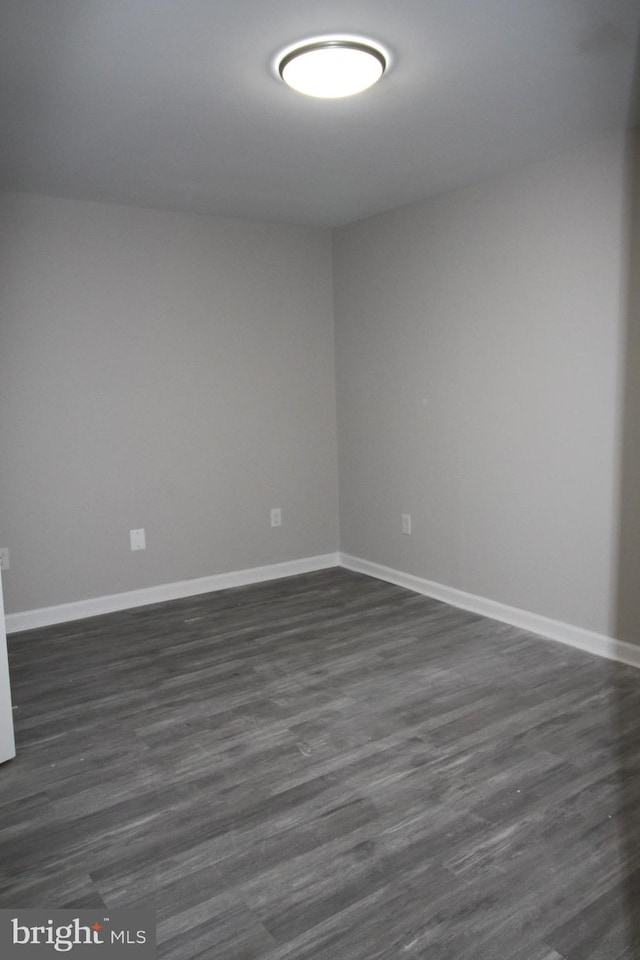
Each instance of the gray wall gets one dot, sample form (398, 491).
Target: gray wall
(163, 371)
(479, 342)
(627, 625)
(177, 373)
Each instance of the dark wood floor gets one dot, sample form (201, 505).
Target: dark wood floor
(327, 767)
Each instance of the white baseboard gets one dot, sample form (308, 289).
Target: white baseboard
(597, 643)
(64, 612)
(587, 640)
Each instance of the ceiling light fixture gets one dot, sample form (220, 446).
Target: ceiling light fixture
(332, 67)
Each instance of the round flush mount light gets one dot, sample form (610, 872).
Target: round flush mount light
(332, 67)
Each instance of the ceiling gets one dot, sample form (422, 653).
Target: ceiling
(174, 103)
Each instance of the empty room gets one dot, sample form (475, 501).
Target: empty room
(320, 479)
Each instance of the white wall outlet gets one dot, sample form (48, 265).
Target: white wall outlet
(276, 517)
(138, 539)
(4, 558)
(406, 523)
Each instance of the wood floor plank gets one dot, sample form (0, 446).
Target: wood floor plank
(327, 767)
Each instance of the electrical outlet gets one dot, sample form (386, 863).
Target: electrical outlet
(137, 539)
(276, 517)
(4, 558)
(406, 523)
